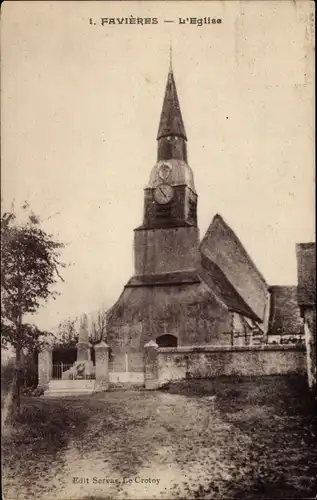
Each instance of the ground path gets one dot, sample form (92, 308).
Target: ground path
(166, 445)
(147, 445)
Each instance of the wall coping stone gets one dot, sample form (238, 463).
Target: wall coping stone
(101, 345)
(46, 348)
(230, 348)
(151, 343)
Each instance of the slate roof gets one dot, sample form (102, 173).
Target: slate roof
(306, 271)
(220, 285)
(222, 247)
(171, 121)
(285, 315)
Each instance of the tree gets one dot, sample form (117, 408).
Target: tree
(67, 333)
(29, 269)
(98, 330)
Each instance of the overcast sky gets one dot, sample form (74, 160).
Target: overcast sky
(80, 113)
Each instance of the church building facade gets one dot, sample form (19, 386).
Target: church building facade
(184, 291)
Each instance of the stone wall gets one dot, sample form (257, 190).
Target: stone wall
(45, 367)
(210, 361)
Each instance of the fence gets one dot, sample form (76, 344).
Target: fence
(287, 339)
(59, 369)
(246, 338)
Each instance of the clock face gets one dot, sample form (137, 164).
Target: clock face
(163, 193)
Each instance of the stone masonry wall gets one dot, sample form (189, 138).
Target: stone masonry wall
(209, 361)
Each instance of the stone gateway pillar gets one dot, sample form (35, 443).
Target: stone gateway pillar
(45, 366)
(151, 365)
(102, 366)
(310, 340)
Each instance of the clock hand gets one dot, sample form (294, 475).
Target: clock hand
(163, 193)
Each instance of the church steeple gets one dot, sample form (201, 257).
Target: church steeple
(171, 135)
(170, 196)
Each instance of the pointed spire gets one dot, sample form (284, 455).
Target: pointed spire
(171, 58)
(171, 122)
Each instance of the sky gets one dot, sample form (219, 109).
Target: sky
(80, 108)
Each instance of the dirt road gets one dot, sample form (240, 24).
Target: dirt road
(144, 445)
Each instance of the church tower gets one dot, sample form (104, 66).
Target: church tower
(168, 239)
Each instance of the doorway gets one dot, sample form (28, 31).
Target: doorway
(166, 341)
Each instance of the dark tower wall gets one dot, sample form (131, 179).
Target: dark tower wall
(182, 210)
(169, 250)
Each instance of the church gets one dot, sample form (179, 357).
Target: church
(185, 291)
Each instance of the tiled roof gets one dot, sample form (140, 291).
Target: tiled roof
(306, 271)
(284, 311)
(171, 122)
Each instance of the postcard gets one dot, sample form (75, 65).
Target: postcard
(158, 250)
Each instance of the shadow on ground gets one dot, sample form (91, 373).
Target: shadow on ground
(278, 416)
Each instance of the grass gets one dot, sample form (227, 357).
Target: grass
(36, 436)
(252, 438)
